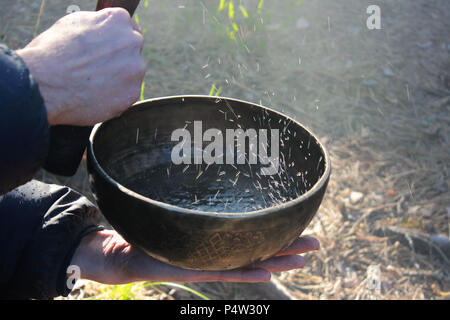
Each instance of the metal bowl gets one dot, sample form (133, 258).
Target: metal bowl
(206, 215)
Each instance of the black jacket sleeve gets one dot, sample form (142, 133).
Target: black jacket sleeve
(40, 225)
(24, 130)
(27, 142)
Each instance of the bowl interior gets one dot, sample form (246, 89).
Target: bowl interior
(243, 157)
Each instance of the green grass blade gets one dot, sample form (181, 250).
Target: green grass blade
(231, 10)
(231, 34)
(260, 4)
(244, 11)
(142, 91)
(136, 18)
(213, 88)
(221, 5)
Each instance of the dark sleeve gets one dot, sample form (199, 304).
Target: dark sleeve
(24, 130)
(41, 225)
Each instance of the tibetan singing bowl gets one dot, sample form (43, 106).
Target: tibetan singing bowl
(207, 183)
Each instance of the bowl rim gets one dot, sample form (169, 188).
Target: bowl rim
(173, 208)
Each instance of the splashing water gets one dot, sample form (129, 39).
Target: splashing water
(232, 188)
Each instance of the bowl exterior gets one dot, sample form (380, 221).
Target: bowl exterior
(198, 241)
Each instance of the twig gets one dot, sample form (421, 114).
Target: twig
(38, 22)
(367, 213)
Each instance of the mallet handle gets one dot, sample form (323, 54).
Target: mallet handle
(129, 5)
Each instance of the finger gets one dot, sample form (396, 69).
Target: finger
(301, 245)
(141, 41)
(145, 268)
(237, 275)
(135, 26)
(111, 14)
(138, 33)
(283, 263)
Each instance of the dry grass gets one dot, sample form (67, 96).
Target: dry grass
(378, 99)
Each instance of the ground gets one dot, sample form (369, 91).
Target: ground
(378, 99)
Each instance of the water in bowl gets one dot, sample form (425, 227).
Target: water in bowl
(217, 188)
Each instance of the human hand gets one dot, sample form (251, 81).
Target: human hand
(105, 257)
(90, 71)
